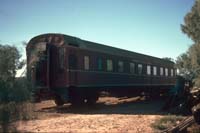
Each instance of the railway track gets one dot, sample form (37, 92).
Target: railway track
(182, 126)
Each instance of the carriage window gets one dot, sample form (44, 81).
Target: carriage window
(154, 70)
(148, 70)
(132, 67)
(120, 66)
(166, 72)
(161, 71)
(99, 63)
(172, 72)
(109, 65)
(175, 72)
(61, 58)
(140, 69)
(72, 61)
(86, 63)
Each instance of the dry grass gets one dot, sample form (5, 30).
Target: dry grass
(167, 122)
(109, 115)
(12, 111)
(194, 128)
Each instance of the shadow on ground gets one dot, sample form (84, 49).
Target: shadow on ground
(106, 105)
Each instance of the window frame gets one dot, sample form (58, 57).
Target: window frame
(140, 71)
(172, 73)
(154, 70)
(99, 63)
(132, 67)
(120, 66)
(161, 71)
(86, 62)
(166, 72)
(109, 65)
(175, 72)
(148, 69)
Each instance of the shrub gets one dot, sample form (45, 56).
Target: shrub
(14, 102)
(166, 122)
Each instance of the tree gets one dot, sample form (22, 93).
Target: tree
(9, 62)
(183, 65)
(194, 53)
(192, 23)
(12, 90)
(168, 59)
(189, 62)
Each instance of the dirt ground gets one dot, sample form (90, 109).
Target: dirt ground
(108, 115)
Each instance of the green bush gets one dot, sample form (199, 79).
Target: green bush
(14, 102)
(166, 122)
(18, 91)
(14, 92)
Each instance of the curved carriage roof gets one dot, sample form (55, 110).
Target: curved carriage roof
(84, 44)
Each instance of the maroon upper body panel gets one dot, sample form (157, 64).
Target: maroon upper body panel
(56, 61)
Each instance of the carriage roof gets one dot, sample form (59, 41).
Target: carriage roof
(92, 46)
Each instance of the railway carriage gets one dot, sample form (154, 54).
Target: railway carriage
(73, 70)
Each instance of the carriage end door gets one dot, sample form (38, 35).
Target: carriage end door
(72, 62)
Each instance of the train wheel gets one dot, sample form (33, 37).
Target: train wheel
(77, 101)
(58, 101)
(76, 97)
(92, 98)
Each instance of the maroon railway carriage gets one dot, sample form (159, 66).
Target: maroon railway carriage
(69, 69)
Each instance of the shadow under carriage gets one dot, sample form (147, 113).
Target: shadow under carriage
(111, 105)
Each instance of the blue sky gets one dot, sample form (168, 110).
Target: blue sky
(146, 26)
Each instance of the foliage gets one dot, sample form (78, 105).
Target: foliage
(9, 62)
(166, 122)
(192, 23)
(13, 91)
(195, 128)
(189, 62)
(168, 59)
(183, 63)
(12, 111)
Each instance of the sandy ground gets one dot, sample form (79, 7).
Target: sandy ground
(108, 115)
